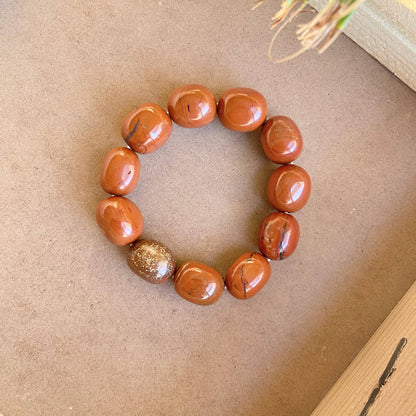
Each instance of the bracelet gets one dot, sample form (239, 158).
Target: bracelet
(145, 130)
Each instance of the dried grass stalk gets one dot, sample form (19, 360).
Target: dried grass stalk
(317, 34)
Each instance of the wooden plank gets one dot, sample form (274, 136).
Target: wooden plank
(410, 4)
(385, 358)
(386, 30)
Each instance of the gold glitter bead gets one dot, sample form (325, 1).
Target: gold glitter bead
(151, 260)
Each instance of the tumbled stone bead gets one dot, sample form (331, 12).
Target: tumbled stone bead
(198, 283)
(247, 276)
(278, 235)
(120, 220)
(281, 139)
(192, 106)
(146, 128)
(242, 109)
(120, 171)
(289, 188)
(151, 261)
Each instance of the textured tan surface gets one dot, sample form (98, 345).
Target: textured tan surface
(80, 334)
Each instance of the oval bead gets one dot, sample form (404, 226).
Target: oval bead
(198, 283)
(242, 109)
(151, 261)
(192, 106)
(146, 128)
(278, 235)
(247, 276)
(120, 220)
(281, 140)
(120, 171)
(289, 188)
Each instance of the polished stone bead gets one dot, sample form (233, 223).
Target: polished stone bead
(198, 283)
(247, 276)
(146, 128)
(289, 188)
(120, 220)
(120, 171)
(151, 261)
(192, 106)
(242, 109)
(281, 139)
(278, 236)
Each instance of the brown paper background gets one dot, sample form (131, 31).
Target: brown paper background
(80, 334)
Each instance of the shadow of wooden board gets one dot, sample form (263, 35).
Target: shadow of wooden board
(381, 381)
(386, 29)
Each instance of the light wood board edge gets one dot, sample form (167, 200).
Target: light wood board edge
(386, 30)
(349, 395)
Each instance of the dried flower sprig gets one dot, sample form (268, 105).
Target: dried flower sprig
(320, 32)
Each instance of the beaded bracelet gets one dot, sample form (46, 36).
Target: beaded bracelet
(145, 130)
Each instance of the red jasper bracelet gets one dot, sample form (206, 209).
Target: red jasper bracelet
(145, 130)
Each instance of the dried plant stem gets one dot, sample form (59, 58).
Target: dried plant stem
(317, 34)
(282, 26)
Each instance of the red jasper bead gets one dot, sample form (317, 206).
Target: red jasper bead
(198, 283)
(120, 220)
(242, 109)
(192, 106)
(278, 235)
(247, 276)
(289, 188)
(120, 171)
(281, 140)
(146, 128)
